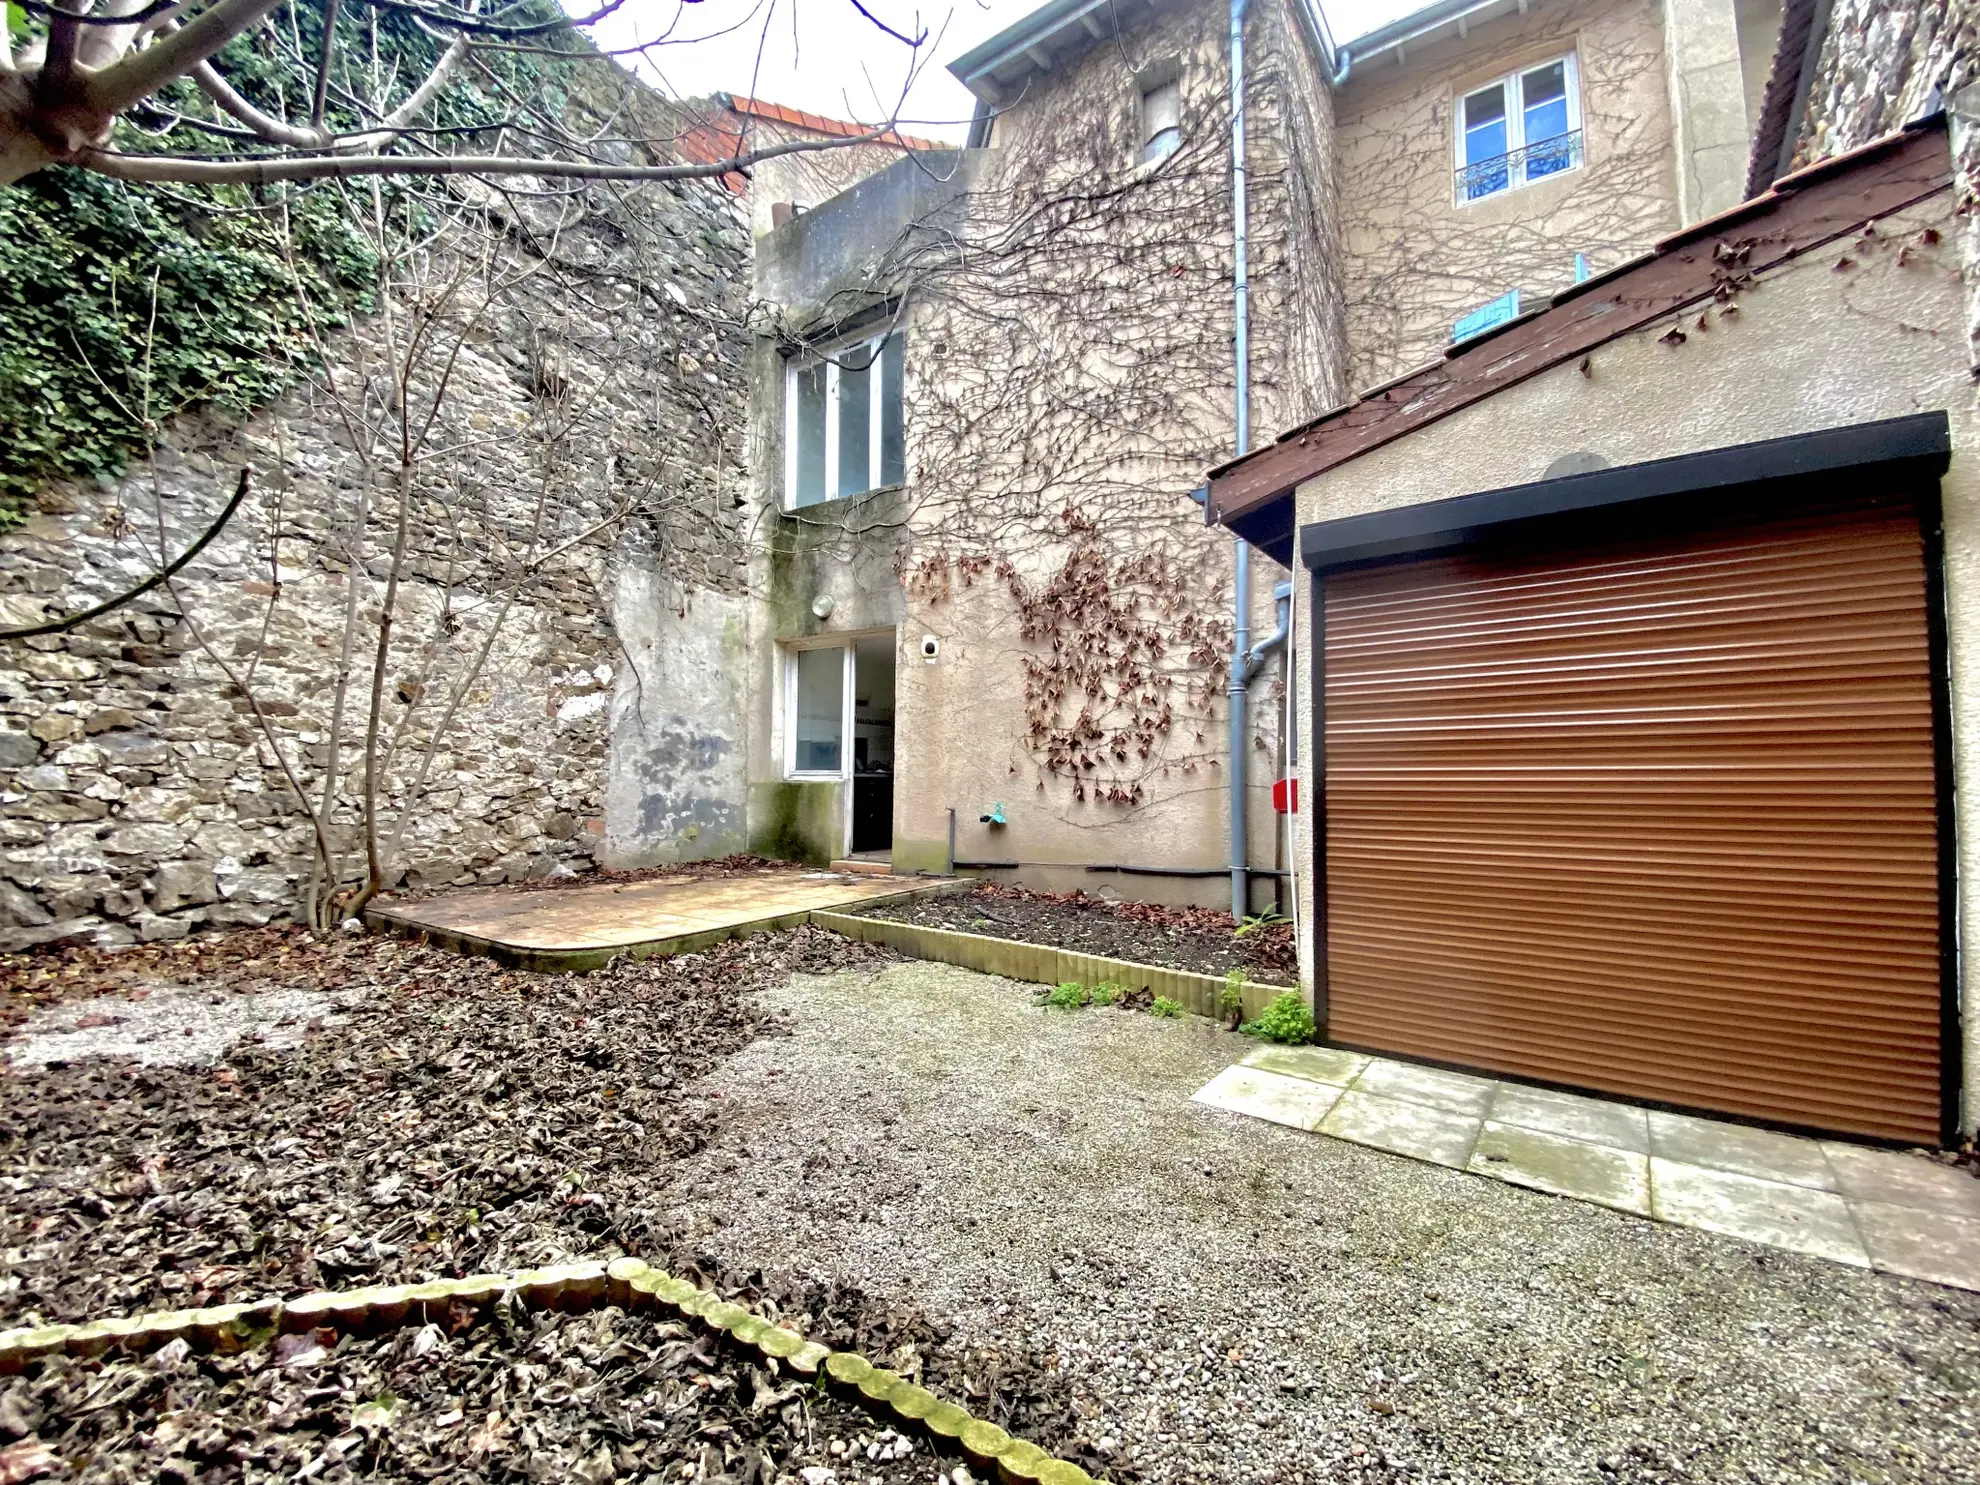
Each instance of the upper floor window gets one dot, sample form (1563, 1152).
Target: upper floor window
(1161, 111)
(1518, 130)
(843, 432)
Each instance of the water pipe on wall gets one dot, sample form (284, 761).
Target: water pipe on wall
(1255, 656)
(1241, 577)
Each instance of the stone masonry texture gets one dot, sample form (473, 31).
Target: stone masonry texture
(590, 441)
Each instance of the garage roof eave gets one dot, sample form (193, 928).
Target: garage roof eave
(1920, 443)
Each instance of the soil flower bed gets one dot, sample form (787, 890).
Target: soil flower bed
(1203, 940)
(589, 1397)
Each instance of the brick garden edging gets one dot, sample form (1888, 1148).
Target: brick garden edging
(627, 1282)
(1044, 964)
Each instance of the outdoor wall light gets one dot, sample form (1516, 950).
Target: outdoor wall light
(931, 648)
(822, 605)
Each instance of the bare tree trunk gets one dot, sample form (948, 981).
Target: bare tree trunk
(374, 881)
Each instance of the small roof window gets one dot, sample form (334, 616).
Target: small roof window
(1161, 109)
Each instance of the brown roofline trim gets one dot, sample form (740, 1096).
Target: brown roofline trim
(1750, 472)
(1800, 214)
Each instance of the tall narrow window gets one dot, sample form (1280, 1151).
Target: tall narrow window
(855, 420)
(1161, 111)
(818, 710)
(844, 424)
(893, 431)
(1518, 130)
(1485, 136)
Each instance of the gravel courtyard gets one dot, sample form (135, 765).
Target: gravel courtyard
(1018, 1206)
(1234, 1301)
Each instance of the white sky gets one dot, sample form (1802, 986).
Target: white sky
(823, 55)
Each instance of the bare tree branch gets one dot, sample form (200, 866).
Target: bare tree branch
(264, 126)
(324, 57)
(164, 574)
(456, 21)
(58, 61)
(103, 43)
(416, 100)
(184, 169)
(140, 74)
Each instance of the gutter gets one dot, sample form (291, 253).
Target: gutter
(1335, 61)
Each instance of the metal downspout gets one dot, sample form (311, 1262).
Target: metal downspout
(1241, 596)
(1255, 656)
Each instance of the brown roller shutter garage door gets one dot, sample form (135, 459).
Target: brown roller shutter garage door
(1656, 817)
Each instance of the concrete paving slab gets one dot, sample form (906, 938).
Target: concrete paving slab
(1902, 1180)
(1433, 1086)
(1760, 1153)
(1298, 1103)
(1937, 1246)
(1777, 1213)
(1319, 1064)
(577, 927)
(1564, 1167)
(1619, 1125)
(1902, 1213)
(1441, 1136)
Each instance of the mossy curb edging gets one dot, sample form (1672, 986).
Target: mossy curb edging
(630, 1283)
(1045, 964)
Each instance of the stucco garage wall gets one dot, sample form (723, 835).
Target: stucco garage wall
(1818, 343)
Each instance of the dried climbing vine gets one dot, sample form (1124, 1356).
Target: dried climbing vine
(1071, 381)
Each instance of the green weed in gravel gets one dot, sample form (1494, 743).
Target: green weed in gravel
(1287, 1019)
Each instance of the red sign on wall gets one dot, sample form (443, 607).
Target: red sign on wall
(1285, 796)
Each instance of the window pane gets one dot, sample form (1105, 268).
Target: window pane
(893, 443)
(1161, 120)
(1485, 141)
(855, 421)
(809, 388)
(1485, 108)
(1545, 114)
(821, 699)
(1544, 85)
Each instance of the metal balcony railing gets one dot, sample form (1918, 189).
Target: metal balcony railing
(1542, 158)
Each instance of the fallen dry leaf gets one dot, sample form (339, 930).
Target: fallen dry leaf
(29, 1459)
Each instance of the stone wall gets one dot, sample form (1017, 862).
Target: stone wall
(155, 763)
(1885, 63)
(1880, 63)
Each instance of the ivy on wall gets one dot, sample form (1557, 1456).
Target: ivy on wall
(120, 307)
(123, 305)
